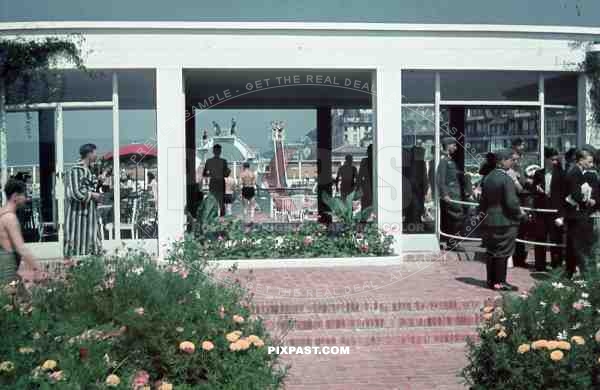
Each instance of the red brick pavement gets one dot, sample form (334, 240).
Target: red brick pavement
(405, 325)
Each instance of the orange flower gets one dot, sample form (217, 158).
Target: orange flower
(207, 346)
(523, 348)
(243, 344)
(488, 309)
(597, 336)
(487, 316)
(564, 345)
(557, 356)
(238, 319)
(252, 339)
(234, 347)
(187, 347)
(165, 386)
(259, 343)
(551, 345)
(539, 344)
(578, 340)
(49, 365)
(501, 335)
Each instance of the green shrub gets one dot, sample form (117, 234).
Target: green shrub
(126, 316)
(548, 338)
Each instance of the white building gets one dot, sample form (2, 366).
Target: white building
(158, 72)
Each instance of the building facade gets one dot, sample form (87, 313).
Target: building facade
(419, 82)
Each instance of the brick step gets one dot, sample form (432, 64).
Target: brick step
(380, 367)
(386, 336)
(371, 320)
(366, 305)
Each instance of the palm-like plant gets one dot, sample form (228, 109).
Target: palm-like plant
(343, 210)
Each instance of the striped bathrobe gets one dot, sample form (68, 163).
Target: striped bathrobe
(82, 226)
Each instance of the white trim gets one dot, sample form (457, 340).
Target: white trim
(534, 103)
(52, 106)
(59, 183)
(417, 104)
(116, 158)
(542, 99)
(436, 157)
(299, 26)
(560, 106)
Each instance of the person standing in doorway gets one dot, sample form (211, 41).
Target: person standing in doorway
(214, 169)
(523, 186)
(579, 204)
(365, 179)
(452, 215)
(82, 225)
(502, 215)
(549, 194)
(248, 179)
(346, 178)
(12, 246)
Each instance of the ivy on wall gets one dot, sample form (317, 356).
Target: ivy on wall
(26, 67)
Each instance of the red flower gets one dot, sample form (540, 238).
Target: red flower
(364, 247)
(83, 353)
(308, 240)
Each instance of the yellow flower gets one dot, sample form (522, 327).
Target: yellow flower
(187, 347)
(523, 348)
(234, 347)
(49, 365)
(556, 356)
(112, 380)
(488, 309)
(539, 344)
(165, 386)
(238, 319)
(25, 350)
(233, 336)
(7, 366)
(564, 345)
(501, 335)
(578, 340)
(551, 345)
(487, 316)
(207, 346)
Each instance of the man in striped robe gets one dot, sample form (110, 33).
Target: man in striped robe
(82, 226)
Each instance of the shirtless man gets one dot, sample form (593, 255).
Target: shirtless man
(12, 246)
(248, 180)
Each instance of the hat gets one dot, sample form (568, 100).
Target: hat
(448, 140)
(504, 154)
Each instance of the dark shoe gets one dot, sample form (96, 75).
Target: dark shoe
(508, 287)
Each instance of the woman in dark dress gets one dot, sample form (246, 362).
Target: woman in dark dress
(501, 213)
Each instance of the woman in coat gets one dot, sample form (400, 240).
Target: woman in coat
(501, 213)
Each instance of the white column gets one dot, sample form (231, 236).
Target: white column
(170, 114)
(387, 152)
(588, 132)
(116, 159)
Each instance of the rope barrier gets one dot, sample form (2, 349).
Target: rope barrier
(465, 203)
(462, 238)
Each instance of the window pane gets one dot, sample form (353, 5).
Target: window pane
(561, 128)
(418, 169)
(560, 88)
(489, 85)
(418, 86)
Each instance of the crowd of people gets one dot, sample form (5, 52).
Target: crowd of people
(515, 208)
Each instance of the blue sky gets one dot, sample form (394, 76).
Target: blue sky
(540, 12)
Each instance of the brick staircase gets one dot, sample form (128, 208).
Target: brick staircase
(407, 335)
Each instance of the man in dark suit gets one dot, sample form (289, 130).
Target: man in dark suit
(502, 214)
(523, 186)
(345, 180)
(449, 187)
(215, 168)
(365, 179)
(549, 194)
(579, 203)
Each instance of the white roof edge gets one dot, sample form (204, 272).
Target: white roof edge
(300, 26)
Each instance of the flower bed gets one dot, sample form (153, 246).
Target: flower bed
(124, 323)
(231, 239)
(548, 338)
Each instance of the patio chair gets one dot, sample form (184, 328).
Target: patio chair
(297, 213)
(130, 225)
